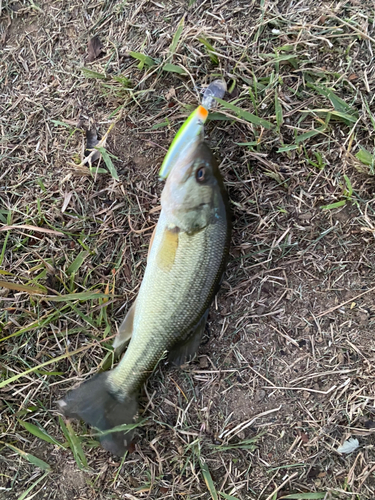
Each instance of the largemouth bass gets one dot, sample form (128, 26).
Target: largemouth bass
(185, 265)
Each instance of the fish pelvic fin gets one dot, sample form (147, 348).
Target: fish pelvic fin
(126, 329)
(94, 403)
(186, 350)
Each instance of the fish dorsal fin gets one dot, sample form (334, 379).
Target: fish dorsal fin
(126, 329)
(151, 241)
(168, 248)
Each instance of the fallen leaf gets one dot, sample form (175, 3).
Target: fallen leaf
(170, 94)
(304, 437)
(313, 473)
(67, 198)
(94, 48)
(20, 288)
(349, 446)
(353, 76)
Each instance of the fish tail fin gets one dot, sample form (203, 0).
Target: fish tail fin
(94, 403)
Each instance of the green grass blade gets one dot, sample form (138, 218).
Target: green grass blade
(30, 458)
(251, 143)
(93, 74)
(348, 186)
(289, 147)
(120, 428)
(307, 135)
(77, 262)
(208, 479)
(218, 117)
(239, 446)
(304, 496)
(338, 204)
(123, 81)
(278, 112)
(4, 247)
(369, 113)
(345, 117)
(143, 60)
(108, 162)
(30, 488)
(246, 444)
(328, 114)
(48, 318)
(174, 69)
(277, 58)
(160, 125)
(177, 36)
(74, 444)
(77, 446)
(365, 157)
(9, 380)
(227, 497)
(245, 115)
(210, 50)
(339, 104)
(40, 433)
(343, 111)
(98, 170)
(63, 124)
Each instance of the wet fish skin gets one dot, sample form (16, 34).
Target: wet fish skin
(185, 265)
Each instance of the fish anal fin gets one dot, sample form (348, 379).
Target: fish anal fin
(168, 248)
(126, 329)
(186, 350)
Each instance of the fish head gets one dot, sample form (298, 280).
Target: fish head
(193, 190)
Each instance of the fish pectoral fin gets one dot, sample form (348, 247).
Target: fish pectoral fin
(186, 350)
(126, 329)
(168, 248)
(93, 403)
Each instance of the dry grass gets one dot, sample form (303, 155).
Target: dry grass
(289, 358)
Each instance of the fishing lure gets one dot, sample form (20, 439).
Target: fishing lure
(191, 131)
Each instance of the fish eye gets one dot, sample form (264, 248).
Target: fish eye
(201, 174)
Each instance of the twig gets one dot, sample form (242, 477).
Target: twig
(242, 426)
(281, 485)
(346, 302)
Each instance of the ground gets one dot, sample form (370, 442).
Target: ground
(285, 374)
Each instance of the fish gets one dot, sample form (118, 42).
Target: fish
(185, 264)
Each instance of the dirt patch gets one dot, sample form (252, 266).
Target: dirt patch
(71, 482)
